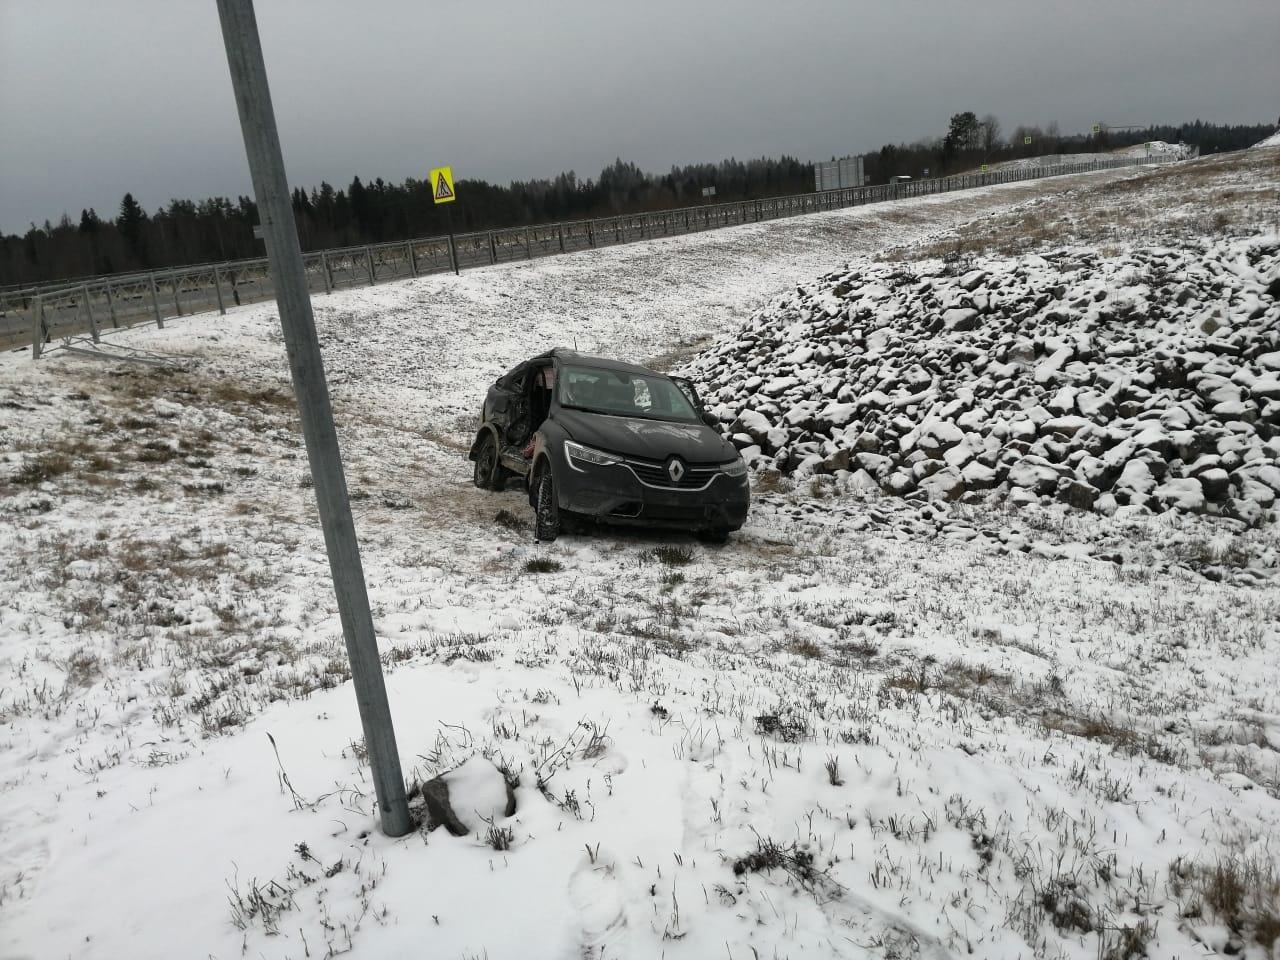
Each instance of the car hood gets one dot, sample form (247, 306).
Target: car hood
(648, 439)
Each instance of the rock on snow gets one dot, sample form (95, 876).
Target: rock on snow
(1147, 379)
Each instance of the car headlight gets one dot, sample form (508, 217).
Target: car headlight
(738, 468)
(577, 452)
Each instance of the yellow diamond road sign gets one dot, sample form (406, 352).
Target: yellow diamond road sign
(441, 180)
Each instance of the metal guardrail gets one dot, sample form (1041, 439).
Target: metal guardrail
(40, 314)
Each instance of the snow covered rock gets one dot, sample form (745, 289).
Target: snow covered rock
(960, 319)
(1035, 474)
(1185, 494)
(1215, 483)
(466, 798)
(1079, 494)
(755, 425)
(1095, 380)
(945, 484)
(939, 436)
(1135, 483)
(978, 476)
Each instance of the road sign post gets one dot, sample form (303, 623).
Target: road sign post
(266, 167)
(442, 191)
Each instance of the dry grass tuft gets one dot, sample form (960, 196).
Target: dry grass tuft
(1239, 890)
(43, 468)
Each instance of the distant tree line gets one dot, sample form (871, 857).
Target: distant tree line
(218, 229)
(971, 141)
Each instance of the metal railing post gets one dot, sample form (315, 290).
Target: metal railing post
(37, 326)
(324, 272)
(111, 305)
(155, 301)
(93, 323)
(368, 261)
(560, 234)
(591, 233)
(453, 255)
(413, 258)
(493, 248)
(217, 286)
(173, 280)
(528, 243)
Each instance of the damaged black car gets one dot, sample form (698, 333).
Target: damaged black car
(611, 442)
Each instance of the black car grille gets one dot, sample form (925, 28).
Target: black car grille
(655, 474)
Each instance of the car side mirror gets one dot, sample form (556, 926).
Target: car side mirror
(709, 420)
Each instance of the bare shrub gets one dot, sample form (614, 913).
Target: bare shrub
(542, 565)
(787, 726)
(505, 518)
(44, 467)
(1240, 890)
(797, 861)
(671, 555)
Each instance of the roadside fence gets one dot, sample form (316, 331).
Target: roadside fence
(37, 315)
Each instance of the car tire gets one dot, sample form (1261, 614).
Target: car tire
(714, 535)
(487, 472)
(546, 510)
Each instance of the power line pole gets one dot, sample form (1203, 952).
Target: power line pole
(266, 166)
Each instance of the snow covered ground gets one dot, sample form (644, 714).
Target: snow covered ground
(856, 730)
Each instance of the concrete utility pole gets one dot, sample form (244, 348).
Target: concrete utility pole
(262, 146)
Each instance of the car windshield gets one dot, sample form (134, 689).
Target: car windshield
(623, 394)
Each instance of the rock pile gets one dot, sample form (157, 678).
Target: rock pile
(1146, 380)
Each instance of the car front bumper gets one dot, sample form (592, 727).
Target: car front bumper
(614, 494)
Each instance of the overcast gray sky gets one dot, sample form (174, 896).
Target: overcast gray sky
(98, 98)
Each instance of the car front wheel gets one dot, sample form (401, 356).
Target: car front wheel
(546, 511)
(485, 474)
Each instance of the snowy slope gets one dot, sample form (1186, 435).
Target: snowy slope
(857, 730)
(1156, 148)
(1271, 141)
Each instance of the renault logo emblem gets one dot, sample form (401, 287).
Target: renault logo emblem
(675, 469)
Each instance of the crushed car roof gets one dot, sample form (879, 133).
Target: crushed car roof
(572, 356)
